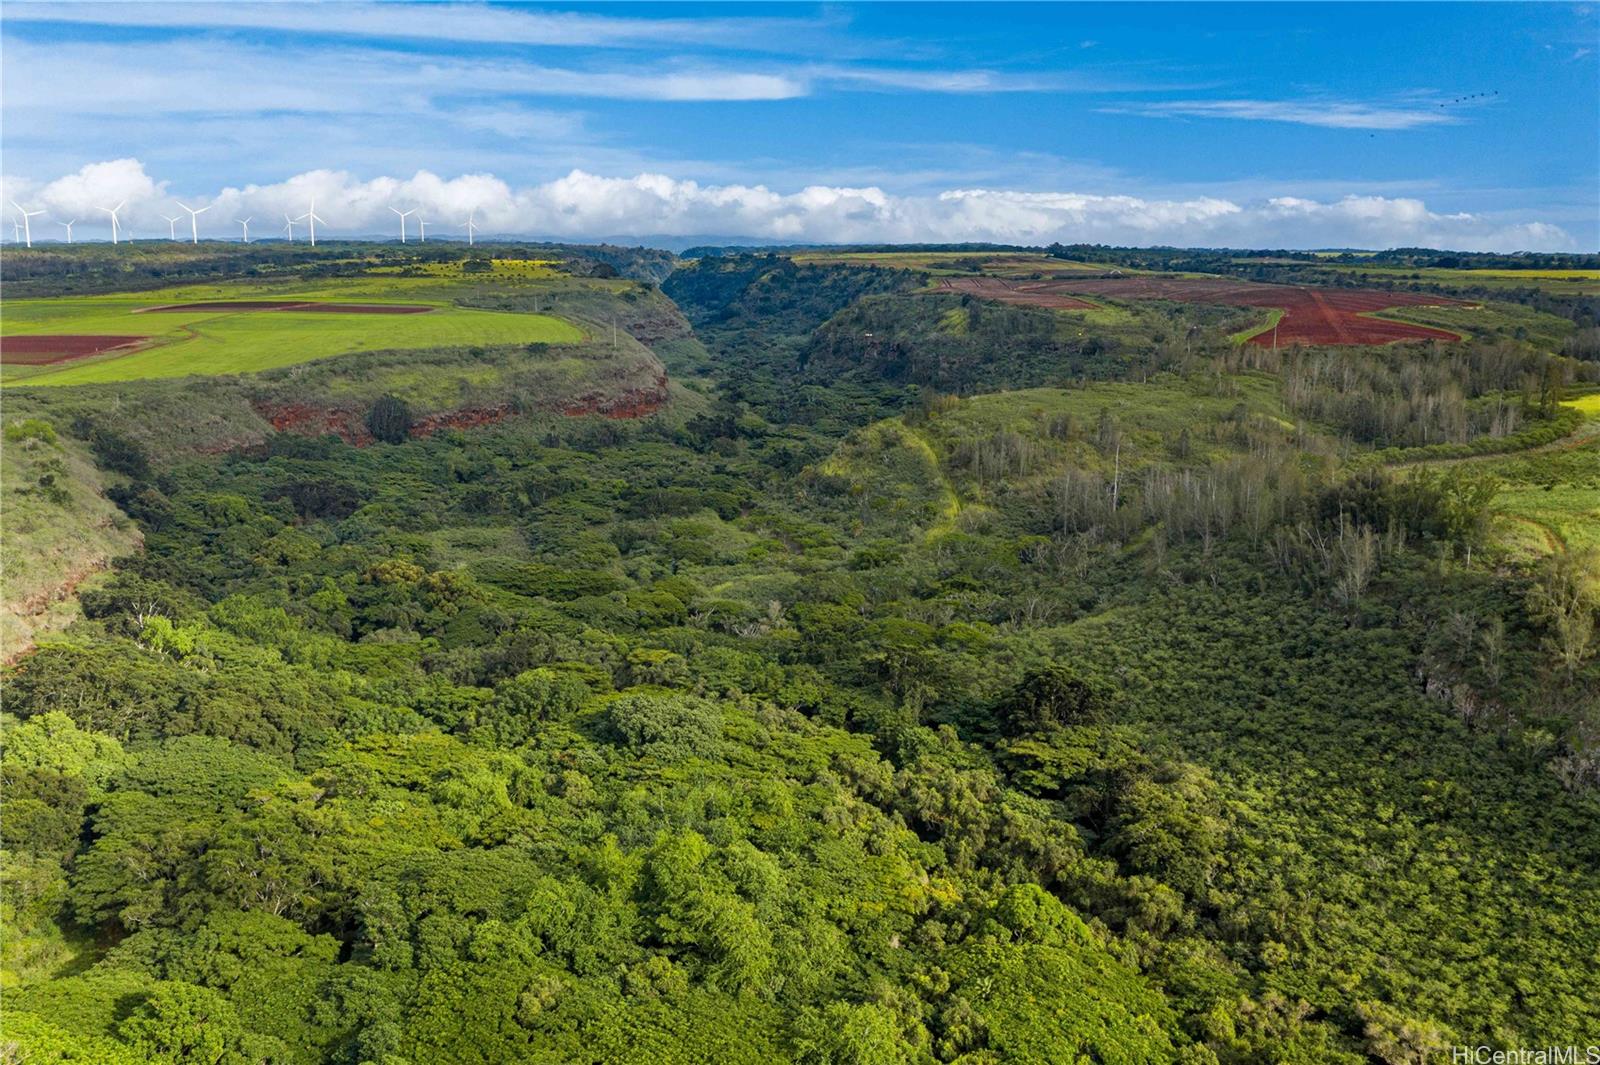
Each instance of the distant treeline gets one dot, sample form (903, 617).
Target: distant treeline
(1172, 258)
(1225, 260)
(74, 269)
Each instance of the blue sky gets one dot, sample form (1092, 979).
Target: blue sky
(1474, 125)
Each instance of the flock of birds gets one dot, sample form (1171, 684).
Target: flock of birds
(22, 224)
(1471, 96)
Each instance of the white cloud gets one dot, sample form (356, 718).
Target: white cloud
(179, 78)
(585, 205)
(667, 85)
(1332, 114)
(97, 185)
(206, 76)
(960, 81)
(466, 23)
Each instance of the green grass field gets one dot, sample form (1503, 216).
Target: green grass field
(231, 342)
(1549, 498)
(1563, 282)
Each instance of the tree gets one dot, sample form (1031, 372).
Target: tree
(528, 699)
(844, 1033)
(32, 1040)
(666, 726)
(1396, 1039)
(181, 1024)
(1051, 697)
(1167, 825)
(1565, 596)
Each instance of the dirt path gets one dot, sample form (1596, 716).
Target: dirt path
(1330, 317)
(1553, 542)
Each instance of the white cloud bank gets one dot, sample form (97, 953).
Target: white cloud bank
(584, 205)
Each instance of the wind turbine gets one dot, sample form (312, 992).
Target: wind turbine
(402, 215)
(172, 226)
(27, 230)
(470, 226)
(246, 223)
(289, 227)
(69, 226)
(194, 220)
(312, 219)
(422, 224)
(112, 211)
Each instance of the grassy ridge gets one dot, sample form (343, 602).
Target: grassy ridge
(57, 527)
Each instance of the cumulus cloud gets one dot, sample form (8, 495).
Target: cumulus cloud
(97, 185)
(585, 205)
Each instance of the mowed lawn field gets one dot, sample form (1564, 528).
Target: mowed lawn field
(201, 341)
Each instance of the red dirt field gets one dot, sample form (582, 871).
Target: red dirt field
(43, 350)
(1310, 315)
(1031, 293)
(291, 305)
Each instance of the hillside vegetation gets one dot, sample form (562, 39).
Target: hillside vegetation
(58, 528)
(1025, 686)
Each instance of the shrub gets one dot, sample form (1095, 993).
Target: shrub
(112, 450)
(390, 419)
(31, 429)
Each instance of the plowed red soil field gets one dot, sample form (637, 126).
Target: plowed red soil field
(1310, 315)
(1032, 293)
(291, 305)
(47, 349)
